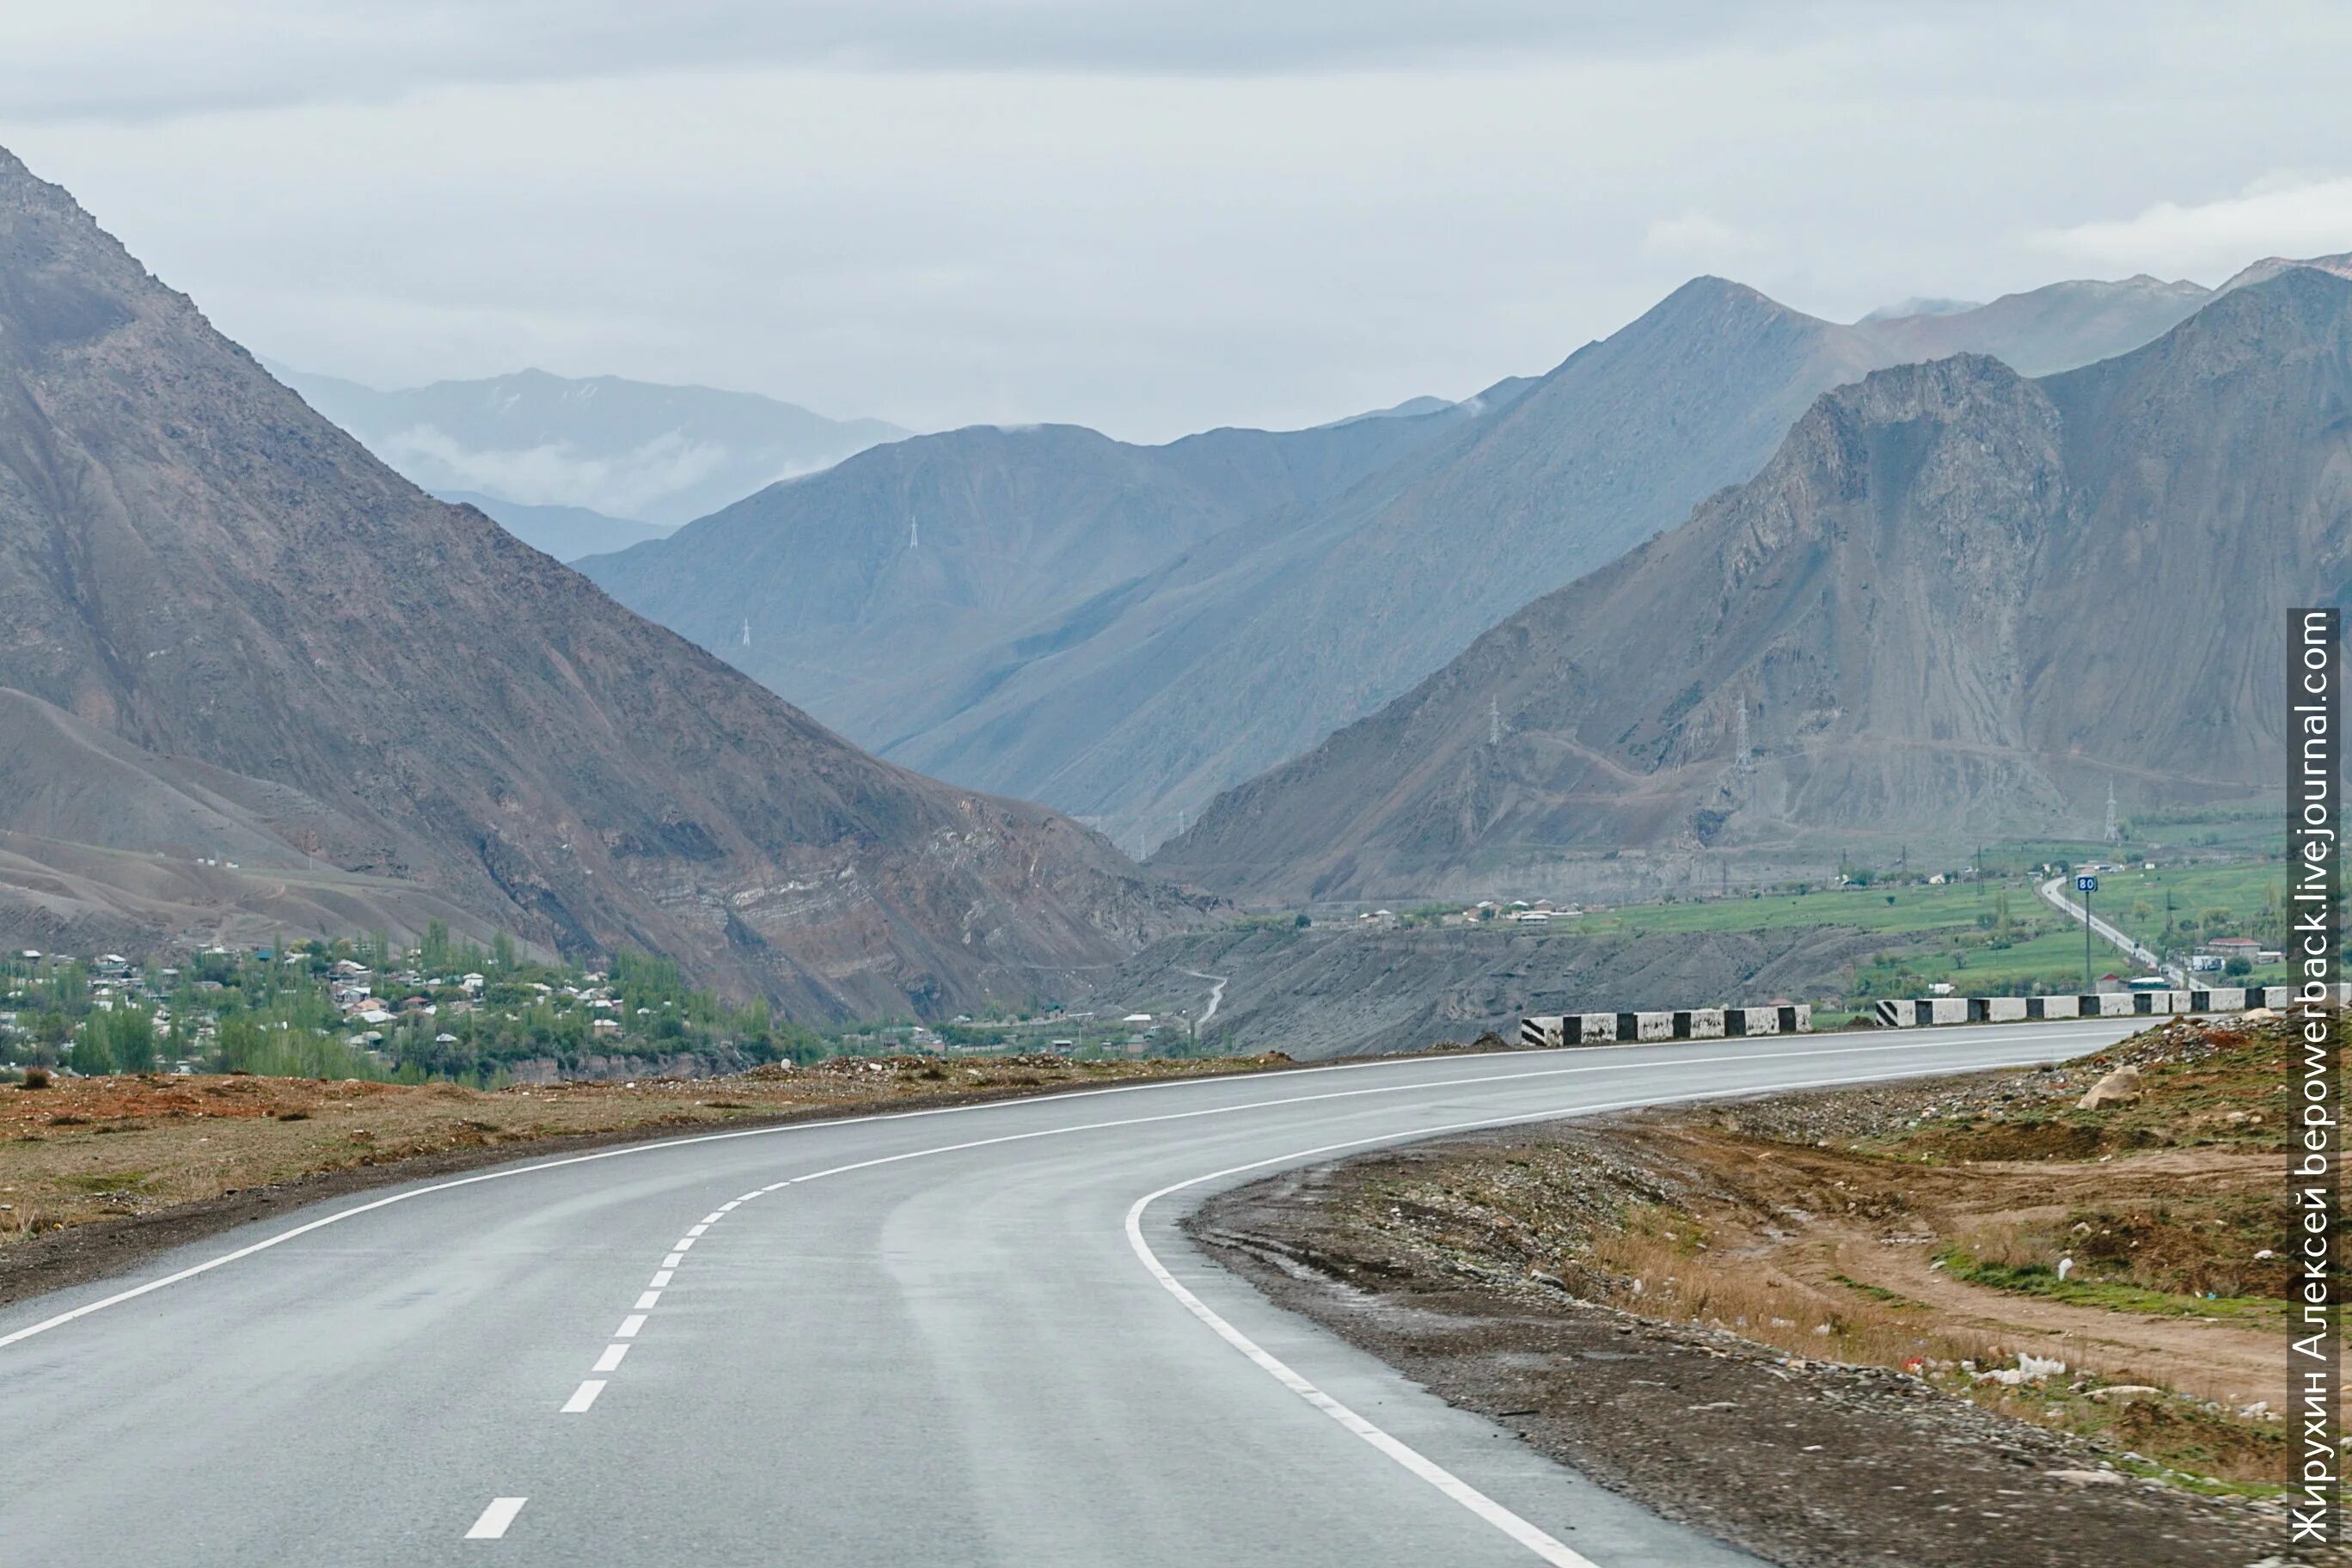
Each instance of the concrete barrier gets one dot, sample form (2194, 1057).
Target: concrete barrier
(1698, 1024)
(2053, 1006)
(1551, 1031)
(1892, 1014)
(1940, 1010)
(2107, 1004)
(1998, 1010)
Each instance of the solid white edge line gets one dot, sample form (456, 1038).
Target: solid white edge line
(1535, 1539)
(1914, 1042)
(583, 1397)
(492, 1525)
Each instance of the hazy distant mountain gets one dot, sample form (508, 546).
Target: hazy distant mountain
(871, 593)
(631, 449)
(1956, 602)
(566, 532)
(225, 630)
(1924, 307)
(1260, 642)
(2270, 267)
(2042, 330)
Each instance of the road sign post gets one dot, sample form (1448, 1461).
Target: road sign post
(2086, 885)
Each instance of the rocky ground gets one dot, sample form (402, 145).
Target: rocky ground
(1831, 1327)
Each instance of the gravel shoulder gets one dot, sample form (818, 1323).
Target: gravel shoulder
(1611, 1291)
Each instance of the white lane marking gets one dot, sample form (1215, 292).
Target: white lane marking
(629, 1326)
(583, 1396)
(730, 1204)
(1531, 1536)
(685, 1242)
(708, 1221)
(492, 1525)
(662, 1277)
(611, 1359)
(1921, 1042)
(673, 1260)
(647, 1301)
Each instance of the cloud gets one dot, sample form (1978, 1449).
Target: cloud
(2280, 215)
(130, 59)
(1697, 237)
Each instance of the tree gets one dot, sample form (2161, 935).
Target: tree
(91, 1056)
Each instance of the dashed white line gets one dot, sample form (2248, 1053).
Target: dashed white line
(583, 1396)
(629, 1326)
(611, 1359)
(685, 1242)
(673, 1260)
(492, 1525)
(662, 1277)
(645, 1302)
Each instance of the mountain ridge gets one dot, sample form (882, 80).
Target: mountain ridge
(197, 564)
(2065, 531)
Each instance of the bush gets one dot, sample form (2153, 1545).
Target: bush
(36, 1078)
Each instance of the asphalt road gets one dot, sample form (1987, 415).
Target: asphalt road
(961, 1337)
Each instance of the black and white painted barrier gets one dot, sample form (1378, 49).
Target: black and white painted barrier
(1551, 1030)
(1922, 1012)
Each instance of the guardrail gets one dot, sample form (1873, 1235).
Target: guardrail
(1550, 1031)
(1924, 1012)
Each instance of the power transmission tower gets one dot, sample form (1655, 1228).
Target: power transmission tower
(1494, 722)
(2115, 834)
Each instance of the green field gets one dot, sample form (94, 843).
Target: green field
(1993, 935)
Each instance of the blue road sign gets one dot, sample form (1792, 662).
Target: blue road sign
(2086, 884)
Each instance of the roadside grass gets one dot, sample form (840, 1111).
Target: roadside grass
(2039, 1279)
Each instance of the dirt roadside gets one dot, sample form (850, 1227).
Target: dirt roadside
(1797, 1323)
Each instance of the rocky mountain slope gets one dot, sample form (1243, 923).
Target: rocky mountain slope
(227, 631)
(629, 449)
(886, 595)
(1957, 601)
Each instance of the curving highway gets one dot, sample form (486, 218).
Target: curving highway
(970, 1336)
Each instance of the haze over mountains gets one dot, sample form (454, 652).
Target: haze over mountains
(1133, 701)
(544, 448)
(1957, 601)
(876, 589)
(228, 632)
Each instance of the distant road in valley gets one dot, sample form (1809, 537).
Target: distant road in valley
(958, 1337)
(2053, 892)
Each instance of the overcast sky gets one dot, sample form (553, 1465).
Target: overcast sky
(1148, 218)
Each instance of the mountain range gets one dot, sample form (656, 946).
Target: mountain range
(1130, 689)
(1957, 601)
(628, 451)
(251, 676)
(875, 591)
